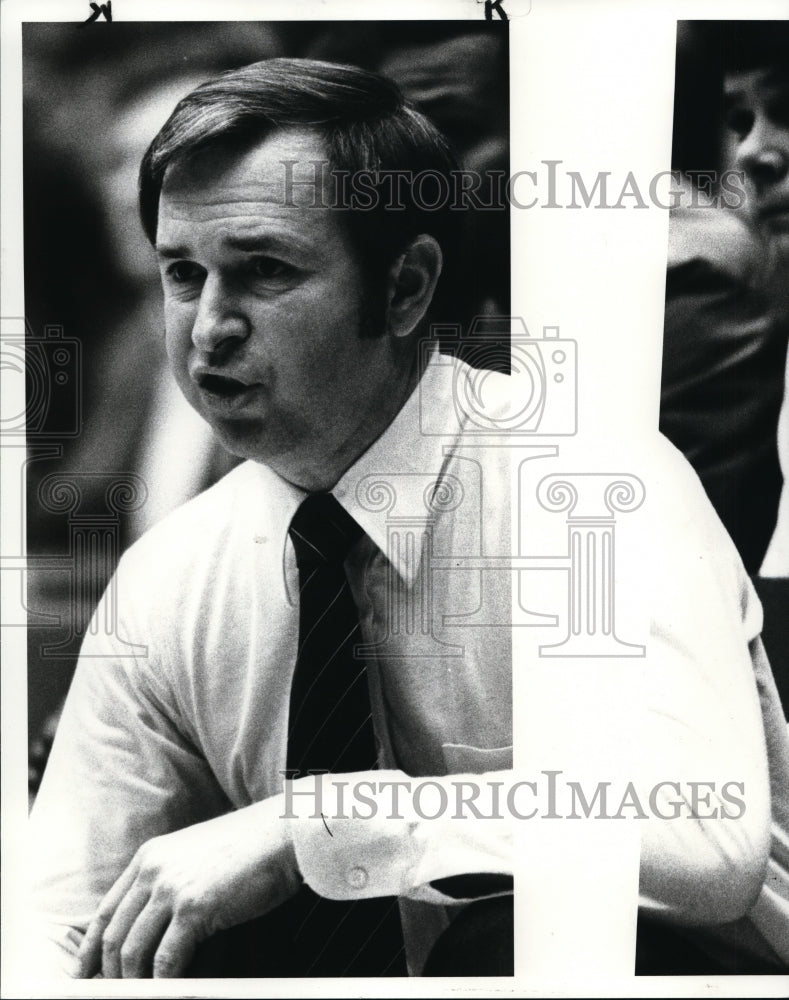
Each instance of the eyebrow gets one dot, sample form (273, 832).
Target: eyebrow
(772, 78)
(777, 77)
(253, 243)
(165, 251)
(248, 244)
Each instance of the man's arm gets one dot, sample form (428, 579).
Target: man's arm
(702, 724)
(183, 887)
(121, 772)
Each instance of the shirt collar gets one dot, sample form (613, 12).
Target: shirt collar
(417, 444)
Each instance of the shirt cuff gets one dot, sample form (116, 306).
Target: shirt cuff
(382, 833)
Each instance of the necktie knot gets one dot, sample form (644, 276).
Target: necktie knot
(322, 532)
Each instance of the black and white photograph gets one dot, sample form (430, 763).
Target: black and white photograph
(395, 537)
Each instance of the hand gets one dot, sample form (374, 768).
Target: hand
(183, 887)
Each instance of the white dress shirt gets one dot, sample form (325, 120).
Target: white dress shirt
(178, 709)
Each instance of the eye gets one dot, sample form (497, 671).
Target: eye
(778, 108)
(270, 267)
(182, 271)
(740, 121)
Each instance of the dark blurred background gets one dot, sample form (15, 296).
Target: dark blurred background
(112, 445)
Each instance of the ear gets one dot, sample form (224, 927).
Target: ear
(411, 283)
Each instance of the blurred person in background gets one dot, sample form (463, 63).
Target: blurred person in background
(725, 342)
(757, 142)
(756, 101)
(724, 362)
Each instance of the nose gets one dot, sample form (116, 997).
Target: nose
(220, 325)
(764, 154)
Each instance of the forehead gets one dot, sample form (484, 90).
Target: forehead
(280, 178)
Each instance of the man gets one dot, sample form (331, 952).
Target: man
(293, 327)
(294, 335)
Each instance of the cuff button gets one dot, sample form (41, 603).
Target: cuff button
(357, 878)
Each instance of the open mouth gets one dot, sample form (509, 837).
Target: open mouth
(222, 386)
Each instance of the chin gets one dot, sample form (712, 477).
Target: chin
(247, 440)
(243, 448)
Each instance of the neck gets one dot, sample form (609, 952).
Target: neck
(321, 472)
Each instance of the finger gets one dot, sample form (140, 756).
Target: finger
(176, 950)
(113, 942)
(89, 955)
(143, 939)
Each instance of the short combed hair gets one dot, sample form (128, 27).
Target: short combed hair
(366, 125)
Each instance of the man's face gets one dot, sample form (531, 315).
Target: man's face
(757, 142)
(265, 311)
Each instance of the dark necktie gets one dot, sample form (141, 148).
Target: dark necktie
(330, 725)
(331, 729)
